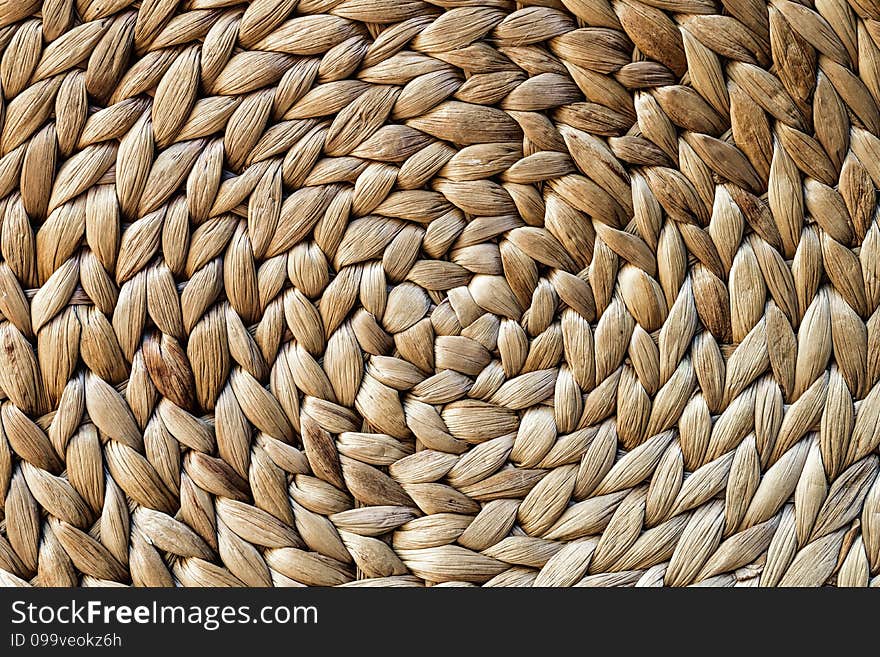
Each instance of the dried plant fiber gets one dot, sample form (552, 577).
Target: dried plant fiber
(405, 292)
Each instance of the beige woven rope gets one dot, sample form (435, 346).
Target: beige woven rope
(405, 292)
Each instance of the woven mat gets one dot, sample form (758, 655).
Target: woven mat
(404, 292)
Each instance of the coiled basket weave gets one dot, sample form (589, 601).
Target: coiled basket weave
(405, 292)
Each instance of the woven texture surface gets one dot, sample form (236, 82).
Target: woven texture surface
(397, 292)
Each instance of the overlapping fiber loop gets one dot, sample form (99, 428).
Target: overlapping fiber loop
(443, 292)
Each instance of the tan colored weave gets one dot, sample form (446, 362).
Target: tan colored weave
(404, 292)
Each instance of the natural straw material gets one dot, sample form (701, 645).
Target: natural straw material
(404, 292)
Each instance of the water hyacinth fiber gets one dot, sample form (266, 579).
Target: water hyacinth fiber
(420, 292)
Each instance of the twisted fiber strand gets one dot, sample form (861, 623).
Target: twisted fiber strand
(397, 292)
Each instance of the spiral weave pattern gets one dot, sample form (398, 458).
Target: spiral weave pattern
(420, 292)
